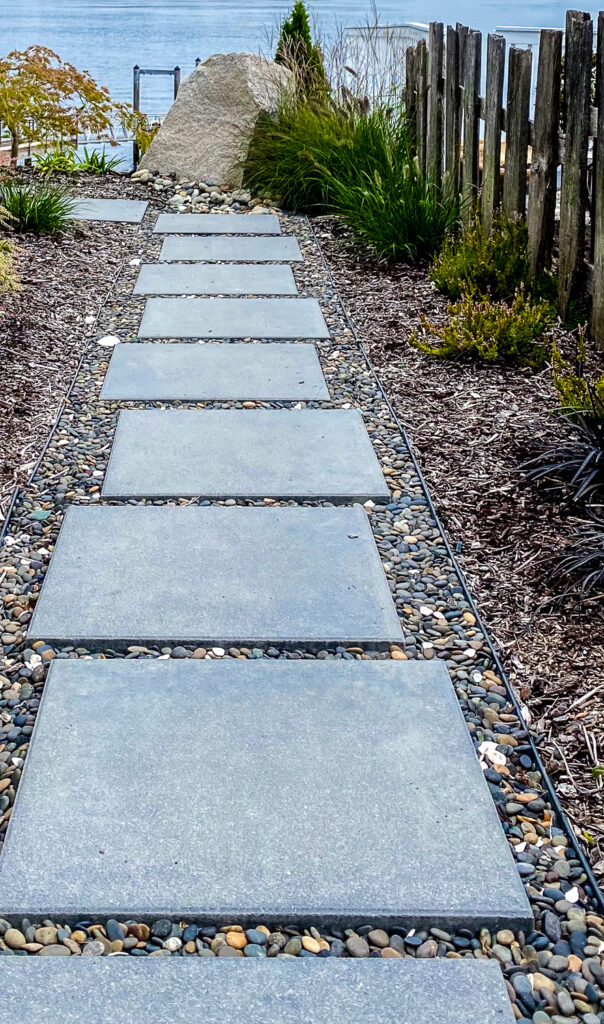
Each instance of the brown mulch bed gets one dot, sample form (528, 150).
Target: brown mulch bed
(43, 327)
(471, 427)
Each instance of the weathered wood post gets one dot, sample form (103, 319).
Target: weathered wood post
(544, 164)
(422, 103)
(136, 104)
(411, 91)
(517, 131)
(577, 88)
(452, 113)
(434, 146)
(597, 305)
(176, 80)
(491, 154)
(471, 117)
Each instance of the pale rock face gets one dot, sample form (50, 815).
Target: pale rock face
(207, 131)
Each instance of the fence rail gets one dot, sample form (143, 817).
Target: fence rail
(442, 96)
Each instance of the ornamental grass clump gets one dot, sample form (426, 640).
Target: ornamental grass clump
(38, 207)
(323, 156)
(491, 332)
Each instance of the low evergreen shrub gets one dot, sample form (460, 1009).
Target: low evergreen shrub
(496, 265)
(491, 331)
(42, 208)
(8, 278)
(579, 394)
(297, 52)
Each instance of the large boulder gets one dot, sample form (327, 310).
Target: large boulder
(207, 131)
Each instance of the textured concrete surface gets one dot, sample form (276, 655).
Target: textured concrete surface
(328, 792)
(299, 576)
(240, 453)
(215, 372)
(124, 211)
(94, 990)
(223, 279)
(213, 248)
(232, 318)
(217, 224)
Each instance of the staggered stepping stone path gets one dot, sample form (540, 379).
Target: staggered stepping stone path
(318, 792)
(215, 372)
(221, 279)
(287, 576)
(215, 248)
(235, 453)
(120, 211)
(121, 991)
(232, 318)
(306, 790)
(217, 224)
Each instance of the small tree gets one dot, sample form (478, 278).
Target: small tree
(43, 97)
(297, 51)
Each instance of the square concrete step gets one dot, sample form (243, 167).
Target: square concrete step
(323, 792)
(285, 576)
(120, 211)
(236, 453)
(233, 318)
(214, 248)
(214, 372)
(94, 990)
(217, 224)
(224, 279)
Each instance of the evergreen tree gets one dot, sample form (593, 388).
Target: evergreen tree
(297, 51)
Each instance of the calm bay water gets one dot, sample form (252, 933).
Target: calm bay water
(107, 37)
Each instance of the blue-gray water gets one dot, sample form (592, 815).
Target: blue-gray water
(107, 37)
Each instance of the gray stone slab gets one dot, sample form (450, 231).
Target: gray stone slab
(232, 318)
(215, 248)
(215, 372)
(124, 211)
(330, 792)
(177, 991)
(217, 224)
(296, 576)
(221, 279)
(238, 453)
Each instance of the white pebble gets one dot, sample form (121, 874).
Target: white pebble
(108, 341)
(218, 651)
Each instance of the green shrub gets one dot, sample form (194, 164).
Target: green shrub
(8, 278)
(58, 160)
(64, 160)
(94, 162)
(36, 207)
(578, 393)
(491, 331)
(297, 51)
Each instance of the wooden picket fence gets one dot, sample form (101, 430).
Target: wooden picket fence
(442, 97)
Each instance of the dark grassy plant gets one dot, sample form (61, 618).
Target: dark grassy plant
(490, 332)
(575, 464)
(41, 208)
(580, 568)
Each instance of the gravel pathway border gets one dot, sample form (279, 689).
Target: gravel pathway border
(558, 968)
